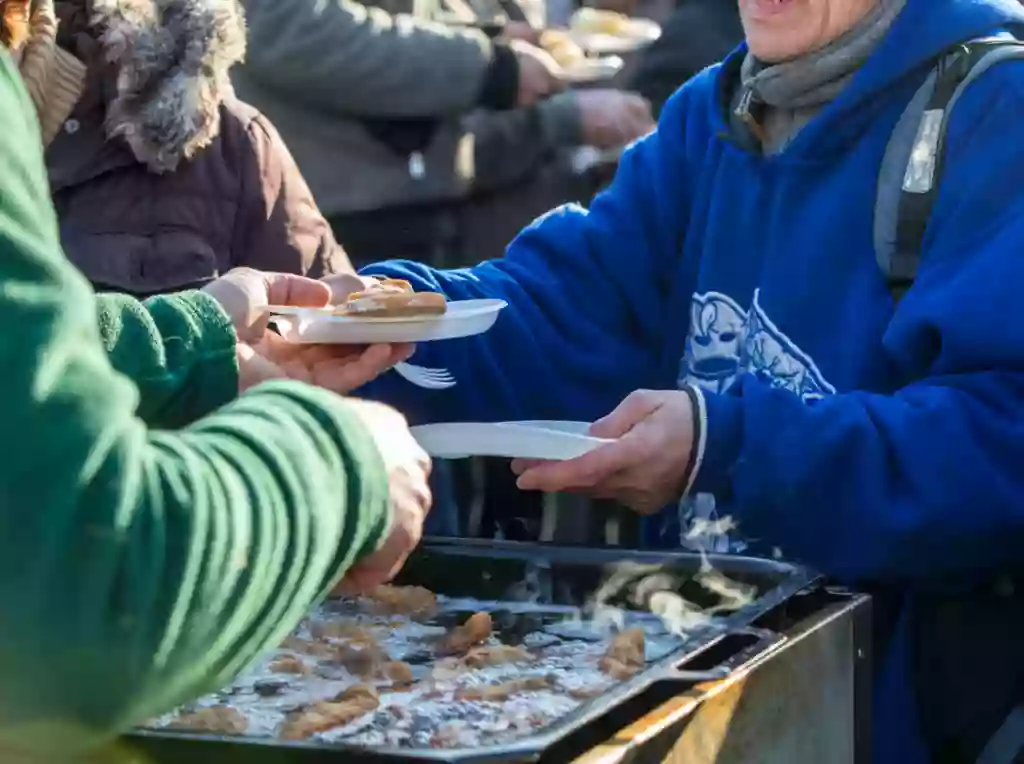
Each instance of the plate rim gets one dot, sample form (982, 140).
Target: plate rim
(494, 305)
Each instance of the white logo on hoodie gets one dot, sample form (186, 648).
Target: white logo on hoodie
(726, 342)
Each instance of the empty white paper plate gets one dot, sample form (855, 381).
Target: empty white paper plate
(556, 441)
(464, 318)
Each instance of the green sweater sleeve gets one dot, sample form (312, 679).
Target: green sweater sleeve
(178, 349)
(139, 567)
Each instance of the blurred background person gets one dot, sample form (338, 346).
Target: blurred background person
(431, 131)
(402, 115)
(161, 178)
(697, 34)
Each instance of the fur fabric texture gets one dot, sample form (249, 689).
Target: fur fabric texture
(171, 59)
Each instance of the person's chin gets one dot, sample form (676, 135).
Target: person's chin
(773, 44)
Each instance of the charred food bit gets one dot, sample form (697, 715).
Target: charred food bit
(412, 601)
(287, 664)
(625, 655)
(447, 668)
(475, 630)
(496, 655)
(398, 672)
(585, 693)
(498, 692)
(323, 630)
(219, 719)
(362, 690)
(362, 661)
(268, 688)
(628, 647)
(327, 715)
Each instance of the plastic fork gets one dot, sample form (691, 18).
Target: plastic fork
(425, 377)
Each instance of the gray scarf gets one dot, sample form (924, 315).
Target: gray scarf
(792, 92)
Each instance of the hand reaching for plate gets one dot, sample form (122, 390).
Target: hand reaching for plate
(540, 75)
(339, 368)
(646, 467)
(263, 355)
(520, 30)
(408, 468)
(613, 118)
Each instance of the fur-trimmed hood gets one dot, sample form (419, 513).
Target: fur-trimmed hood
(169, 60)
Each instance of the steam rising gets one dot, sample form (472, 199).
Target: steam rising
(656, 589)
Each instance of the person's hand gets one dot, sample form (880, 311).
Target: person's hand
(339, 368)
(521, 30)
(408, 468)
(243, 292)
(613, 118)
(540, 75)
(645, 467)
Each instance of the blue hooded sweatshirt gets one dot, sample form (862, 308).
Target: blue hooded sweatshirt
(869, 442)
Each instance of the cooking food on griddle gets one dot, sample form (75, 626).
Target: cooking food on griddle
(475, 630)
(347, 706)
(220, 719)
(402, 600)
(404, 667)
(625, 654)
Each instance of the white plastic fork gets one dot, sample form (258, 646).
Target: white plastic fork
(425, 377)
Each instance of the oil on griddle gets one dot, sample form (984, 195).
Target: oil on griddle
(406, 668)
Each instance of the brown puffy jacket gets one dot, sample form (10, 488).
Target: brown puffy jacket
(161, 178)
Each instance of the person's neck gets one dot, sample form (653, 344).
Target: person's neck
(777, 100)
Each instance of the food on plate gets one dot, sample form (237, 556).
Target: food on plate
(220, 719)
(566, 52)
(598, 21)
(476, 629)
(391, 298)
(362, 659)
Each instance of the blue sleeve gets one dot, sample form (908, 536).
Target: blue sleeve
(586, 292)
(925, 484)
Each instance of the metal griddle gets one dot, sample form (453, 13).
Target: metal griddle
(492, 570)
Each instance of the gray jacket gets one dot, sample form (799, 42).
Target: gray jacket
(325, 72)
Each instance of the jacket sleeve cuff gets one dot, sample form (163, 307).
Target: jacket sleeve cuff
(561, 120)
(718, 437)
(500, 88)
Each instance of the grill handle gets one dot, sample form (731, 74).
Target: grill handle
(695, 669)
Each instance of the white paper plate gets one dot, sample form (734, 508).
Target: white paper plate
(556, 441)
(640, 32)
(464, 318)
(593, 69)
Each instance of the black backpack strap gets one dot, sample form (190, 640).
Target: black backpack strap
(911, 169)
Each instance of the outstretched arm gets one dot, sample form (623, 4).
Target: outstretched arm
(586, 292)
(139, 568)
